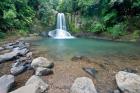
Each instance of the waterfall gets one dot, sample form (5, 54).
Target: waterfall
(61, 29)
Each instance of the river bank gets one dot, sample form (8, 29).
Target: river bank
(67, 70)
(105, 36)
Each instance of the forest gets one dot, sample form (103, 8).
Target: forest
(115, 18)
(69, 46)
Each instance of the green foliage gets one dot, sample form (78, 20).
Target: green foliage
(15, 14)
(97, 27)
(136, 34)
(110, 16)
(73, 28)
(117, 30)
(23, 32)
(10, 14)
(2, 35)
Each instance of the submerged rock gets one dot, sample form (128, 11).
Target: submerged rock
(79, 58)
(43, 86)
(40, 71)
(6, 82)
(40, 62)
(83, 85)
(130, 70)
(75, 58)
(91, 71)
(129, 82)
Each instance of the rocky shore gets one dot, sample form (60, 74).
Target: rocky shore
(34, 71)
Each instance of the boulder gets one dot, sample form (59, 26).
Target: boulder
(37, 80)
(13, 54)
(17, 70)
(83, 85)
(32, 88)
(40, 62)
(8, 56)
(9, 46)
(6, 82)
(129, 82)
(22, 51)
(40, 71)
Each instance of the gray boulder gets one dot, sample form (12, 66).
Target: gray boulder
(40, 71)
(40, 62)
(43, 86)
(8, 56)
(17, 70)
(14, 53)
(129, 82)
(21, 51)
(32, 88)
(6, 82)
(83, 85)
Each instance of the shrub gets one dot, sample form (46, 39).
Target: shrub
(97, 27)
(136, 34)
(117, 30)
(2, 35)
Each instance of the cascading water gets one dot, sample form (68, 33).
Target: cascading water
(61, 31)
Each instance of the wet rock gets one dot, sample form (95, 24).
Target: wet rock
(40, 71)
(128, 82)
(78, 58)
(91, 71)
(43, 86)
(6, 82)
(32, 88)
(130, 70)
(83, 85)
(40, 62)
(75, 58)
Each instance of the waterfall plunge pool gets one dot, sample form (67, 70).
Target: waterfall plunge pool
(67, 48)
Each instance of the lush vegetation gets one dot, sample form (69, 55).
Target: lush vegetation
(114, 17)
(109, 17)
